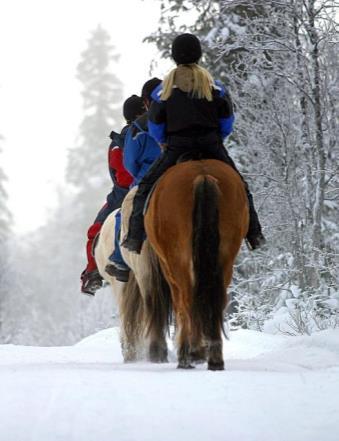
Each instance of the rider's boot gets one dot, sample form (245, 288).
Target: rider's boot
(254, 237)
(91, 281)
(136, 230)
(120, 272)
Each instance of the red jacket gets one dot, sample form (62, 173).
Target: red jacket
(119, 174)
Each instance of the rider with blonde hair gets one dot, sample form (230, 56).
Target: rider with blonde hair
(190, 113)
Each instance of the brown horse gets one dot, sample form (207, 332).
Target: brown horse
(196, 221)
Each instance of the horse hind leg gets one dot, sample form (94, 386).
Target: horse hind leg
(184, 347)
(184, 340)
(199, 352)
(215, 358)
(157, 306)
(132, 317)
(158, 351)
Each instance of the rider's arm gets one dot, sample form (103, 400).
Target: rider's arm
(157, 121)
(132, 151)
(124, 179)
(225, 110)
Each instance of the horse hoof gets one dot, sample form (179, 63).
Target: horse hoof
(216, 366)
(130, 358)
(158, 354)
(199, 361)
(159, 360)
(198, 357)
(185, 366)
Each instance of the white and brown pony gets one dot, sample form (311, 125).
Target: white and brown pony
(144, 301)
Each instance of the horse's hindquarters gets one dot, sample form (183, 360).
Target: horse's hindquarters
(196, 221)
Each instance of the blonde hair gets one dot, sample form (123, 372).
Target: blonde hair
(202, 82)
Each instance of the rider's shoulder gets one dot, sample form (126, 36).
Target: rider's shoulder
(220, 89)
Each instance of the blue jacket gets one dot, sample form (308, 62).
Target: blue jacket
(140, 149)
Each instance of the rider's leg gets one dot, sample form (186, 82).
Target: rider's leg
(254, 235)
(117, 266)
(91, 280)
(136, 231)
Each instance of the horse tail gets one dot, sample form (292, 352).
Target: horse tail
(208, 286)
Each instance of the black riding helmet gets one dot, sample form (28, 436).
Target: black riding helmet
(186, 49)
(132, 108)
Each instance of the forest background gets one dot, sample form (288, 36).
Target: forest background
(279, 60)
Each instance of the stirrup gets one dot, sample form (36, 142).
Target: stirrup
(133, 245)
(121, 274)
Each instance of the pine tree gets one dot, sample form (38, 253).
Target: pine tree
(102, 96)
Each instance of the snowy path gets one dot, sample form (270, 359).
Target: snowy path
(275, 388)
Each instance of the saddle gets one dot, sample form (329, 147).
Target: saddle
(193, 155)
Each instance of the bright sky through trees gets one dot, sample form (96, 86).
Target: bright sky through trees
(40, 102)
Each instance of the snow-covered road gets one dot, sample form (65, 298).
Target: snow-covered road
(275, 388)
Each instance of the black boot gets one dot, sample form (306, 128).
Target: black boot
(91, 282)
(136, 232)
(118, 271)
(254, 237)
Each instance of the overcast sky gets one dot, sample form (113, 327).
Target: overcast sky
(40, 104)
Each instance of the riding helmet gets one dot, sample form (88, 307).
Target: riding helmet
(186, 49)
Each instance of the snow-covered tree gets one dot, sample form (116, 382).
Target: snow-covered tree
(279, 59)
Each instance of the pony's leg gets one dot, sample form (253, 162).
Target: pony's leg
(132, 316)
(157, 324)
(215, 344)
(199, 352)
(180, 297)
(154, 321)
(158, 349)
(184, 347)
(157, 308)
(215, 359)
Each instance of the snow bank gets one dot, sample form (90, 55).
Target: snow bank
(275, 388)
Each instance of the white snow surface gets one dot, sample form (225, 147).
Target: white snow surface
(274, 388)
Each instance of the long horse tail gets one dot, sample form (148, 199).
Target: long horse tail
(208, 286)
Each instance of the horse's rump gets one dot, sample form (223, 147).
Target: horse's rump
(169, 217)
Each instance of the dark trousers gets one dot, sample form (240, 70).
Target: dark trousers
(113, 201)
(209, 147)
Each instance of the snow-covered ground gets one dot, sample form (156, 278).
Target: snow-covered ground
(275, 388)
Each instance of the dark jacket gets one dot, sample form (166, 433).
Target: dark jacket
(184, 115)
